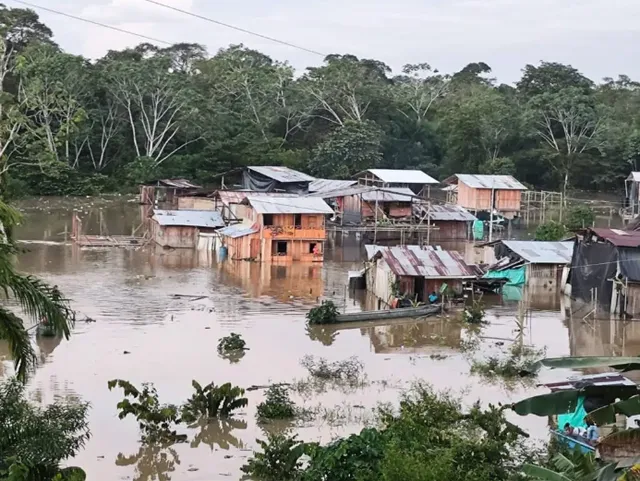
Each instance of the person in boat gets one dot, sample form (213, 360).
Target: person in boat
(593, 433)
(570, 431)
(433, 298)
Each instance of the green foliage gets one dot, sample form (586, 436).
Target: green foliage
(474, 314)
(156, 421)
(326, 313)
(277, 405)
(350, 371)
(550, 231)
(37, 300)
(520, 362)
(278, 461)
(579, 217)
(231, 344)
(35, 440)
(213, 401)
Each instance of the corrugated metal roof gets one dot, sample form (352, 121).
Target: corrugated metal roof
(176, 183)
(449, 212)
(354, 190)
(635, 176)
(477, 181)
(601, 379)
(189, 218)
(416, 261)
(395, 194)
(396, 176)
(238, 230)
(328, 185)
(619, 238)
(237, 196)
(281, 174)
(542, 252)
(289, 205)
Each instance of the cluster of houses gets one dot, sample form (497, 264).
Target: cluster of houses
(279, 214)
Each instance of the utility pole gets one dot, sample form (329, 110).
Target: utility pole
(375, 227)
(493, 191)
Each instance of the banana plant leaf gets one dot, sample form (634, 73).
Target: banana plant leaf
(538, 472)
(619, 363)
(607, 414)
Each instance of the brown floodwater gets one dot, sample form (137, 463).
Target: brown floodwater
(150, 328)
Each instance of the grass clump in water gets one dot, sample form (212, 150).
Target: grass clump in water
(349, 371)
(520, 362)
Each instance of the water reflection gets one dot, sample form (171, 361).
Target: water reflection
(414, 337)
(218, 432)
(325, 335)
(151, 463)
(46, 346)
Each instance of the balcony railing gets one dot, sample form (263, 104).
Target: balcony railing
(292, 232)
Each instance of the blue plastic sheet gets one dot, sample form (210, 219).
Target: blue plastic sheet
(516, 276)
(478, 230)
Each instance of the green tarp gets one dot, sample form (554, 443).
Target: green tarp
(516, 276)
(576, 418)
(478, 230)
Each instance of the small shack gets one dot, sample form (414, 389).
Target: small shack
(605, 270)
(279, 229)
(231, 203)
(166, 190)
(416, 180)
(486, 193)
(534, 263)
(321, 186)
(450, 222)
(275, 179)
(414, 271)
(180, 229)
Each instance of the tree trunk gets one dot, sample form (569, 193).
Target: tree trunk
(565, 186)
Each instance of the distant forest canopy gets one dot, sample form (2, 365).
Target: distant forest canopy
(70, 126)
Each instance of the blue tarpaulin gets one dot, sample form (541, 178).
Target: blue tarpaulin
(478, 230)
(515, 276)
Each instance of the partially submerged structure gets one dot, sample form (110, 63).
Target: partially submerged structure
(449, 222)
(631, 208)
(275, 179)
(166, 190)
(197, 201)
(534, 263)
(477, 193)
(415, 272)
(231, 203)
(605, 270)
(183, 228)
(415, 180)
(279, 229)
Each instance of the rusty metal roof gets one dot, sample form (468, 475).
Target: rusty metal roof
(328, 185)
(428, 262)
(477, 181)
(238, 230)
(282, 174)
(390, 194)
(289, 205)
(175, 184)
(397, 176)
(237, 196)
(617, 237)
(449, 212)
(189, 218)
(542, 252)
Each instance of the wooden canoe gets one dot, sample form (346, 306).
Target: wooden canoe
(401, 313)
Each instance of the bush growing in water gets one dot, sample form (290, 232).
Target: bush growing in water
(550, 231)
(521, 362)
(154, 419)
(34, 440)
(350, 370)
(277, 404)
(278, 461)
(579, 217)
(326, 313)
(213, 401)
(474, 314)
(232, 343)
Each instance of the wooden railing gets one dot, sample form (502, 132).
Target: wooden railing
(292, 232)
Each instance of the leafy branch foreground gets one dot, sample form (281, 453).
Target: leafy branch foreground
(431, 437)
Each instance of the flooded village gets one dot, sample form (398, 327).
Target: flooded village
(157, 280)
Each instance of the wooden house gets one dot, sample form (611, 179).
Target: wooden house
(198, 201)
(275, 179)
(416, 180)
(182, 228)
(279, 229)
(231, 203)
(449, 222)
(166, 190)
(415, 272)
(478, 193)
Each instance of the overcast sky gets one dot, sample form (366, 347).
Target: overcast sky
(599, 37)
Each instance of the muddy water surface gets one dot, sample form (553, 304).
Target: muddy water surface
(149, 328)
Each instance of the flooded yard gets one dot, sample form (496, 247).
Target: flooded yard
(159, 315)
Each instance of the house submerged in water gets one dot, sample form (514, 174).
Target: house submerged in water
(415, 272)
(183, 228)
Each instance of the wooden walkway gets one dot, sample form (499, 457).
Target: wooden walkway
(109, 241)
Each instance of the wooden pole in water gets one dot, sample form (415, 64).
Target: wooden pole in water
(375, 226)
(491, 214)
(429, 222)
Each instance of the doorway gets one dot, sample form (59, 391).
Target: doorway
(418, 289)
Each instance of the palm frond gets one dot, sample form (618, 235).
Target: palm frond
(12, 330)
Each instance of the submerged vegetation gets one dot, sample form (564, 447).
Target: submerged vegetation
(326, 313)
(213, 401)
(233, 343)
(277, 405)
(475, 313)
(520, 362)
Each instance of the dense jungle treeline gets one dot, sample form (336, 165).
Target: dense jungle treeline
(73, 126)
